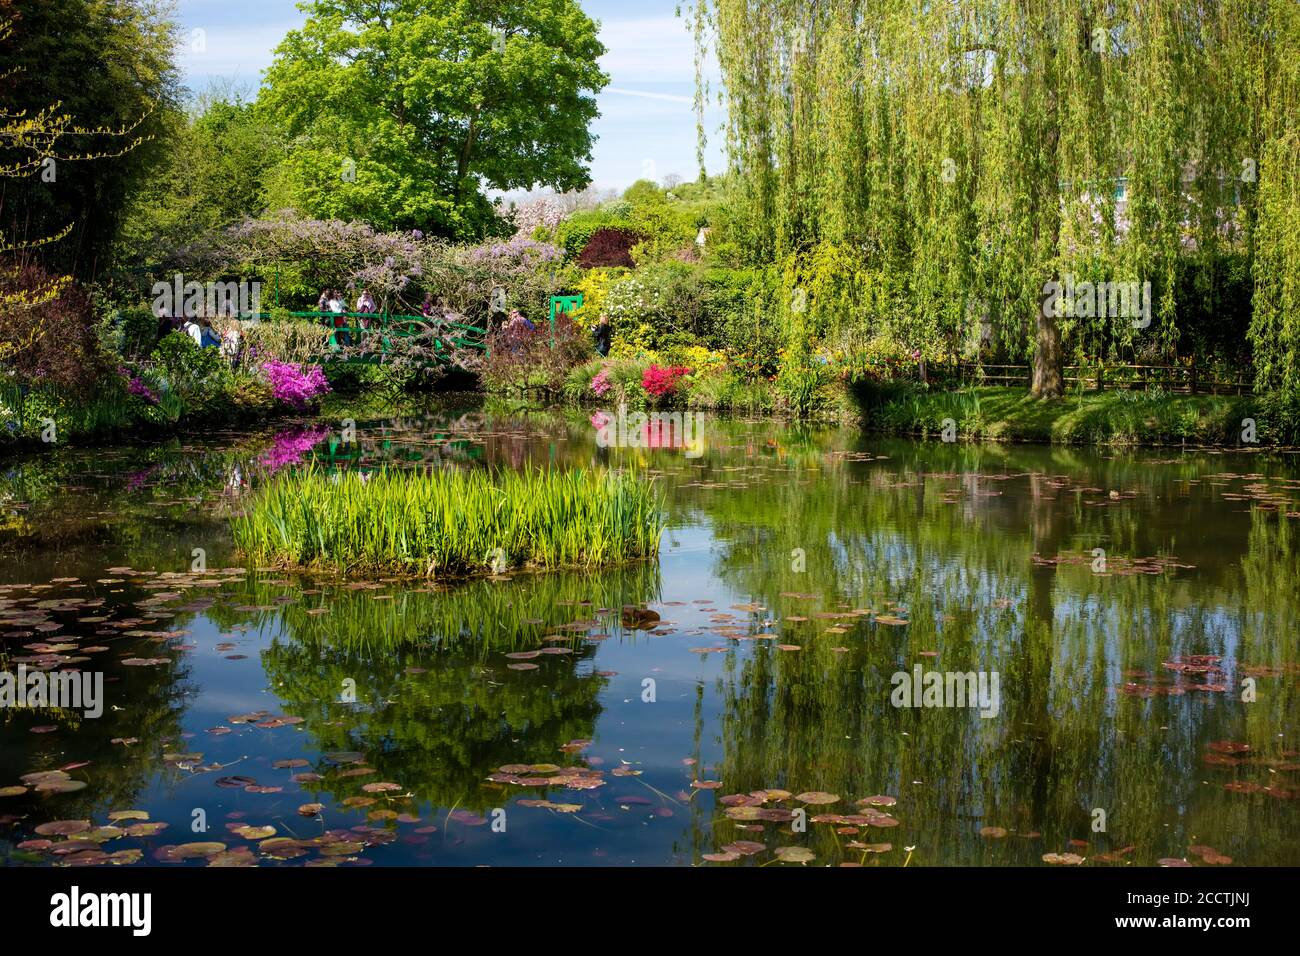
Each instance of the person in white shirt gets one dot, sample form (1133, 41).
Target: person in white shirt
(193, 330)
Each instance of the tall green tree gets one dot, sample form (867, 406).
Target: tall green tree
(1275, 323)
(402, 113)
(213, 174)
(916, 167)
(101, 73)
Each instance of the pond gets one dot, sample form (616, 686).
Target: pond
(1129, 621)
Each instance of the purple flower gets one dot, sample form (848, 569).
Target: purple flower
(293, 385)
(136, 387)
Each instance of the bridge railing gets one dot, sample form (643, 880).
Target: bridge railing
(364, 328)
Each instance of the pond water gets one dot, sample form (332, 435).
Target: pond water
(1138, 610)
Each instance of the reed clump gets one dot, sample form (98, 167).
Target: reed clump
(451, 522)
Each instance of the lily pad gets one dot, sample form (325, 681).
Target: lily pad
(795, 854)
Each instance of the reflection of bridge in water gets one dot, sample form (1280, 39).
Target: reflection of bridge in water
(335, 454)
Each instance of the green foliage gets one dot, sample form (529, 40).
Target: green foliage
(138, 328)
(573, 234)
(106, 65)
(212, 173)
(284, 338)
(724, 388)
(400, 113)
(918, 202)
(198, 384)
(1275, 327)
(1109, 418)
(577, 383)
(451, 522)
(181, 359)
(806, 383)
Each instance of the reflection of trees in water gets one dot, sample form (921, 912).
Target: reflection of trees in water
(125, 506)
(151, 702)
(1065, 741)
(438, 709)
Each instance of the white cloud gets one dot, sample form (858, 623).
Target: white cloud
(670, 97)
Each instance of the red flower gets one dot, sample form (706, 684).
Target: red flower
(659, 381)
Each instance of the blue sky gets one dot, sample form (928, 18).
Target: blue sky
(647, 124)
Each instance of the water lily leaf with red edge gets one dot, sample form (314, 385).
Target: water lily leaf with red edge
(252, 833)
(63, 827)
(117, 815)
(795, 854)
(189, 851)
(235, 782)
(145, 829)
(817, 797)
(877, 801)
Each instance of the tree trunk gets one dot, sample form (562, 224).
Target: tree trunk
(462, 161)
(1049, 379)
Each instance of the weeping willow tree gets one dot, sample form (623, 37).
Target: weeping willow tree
(926, 171)
(1275, 330)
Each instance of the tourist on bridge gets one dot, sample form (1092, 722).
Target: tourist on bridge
(366, 304)
(338, 305)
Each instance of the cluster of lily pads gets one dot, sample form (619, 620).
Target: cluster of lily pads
(751, 810)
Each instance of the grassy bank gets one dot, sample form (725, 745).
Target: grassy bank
(451, 522)
(1101, 418)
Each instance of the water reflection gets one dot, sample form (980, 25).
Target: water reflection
(1128, 603)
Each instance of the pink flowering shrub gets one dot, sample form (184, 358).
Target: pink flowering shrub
(294, 385)
(601, 383)
(660, 380)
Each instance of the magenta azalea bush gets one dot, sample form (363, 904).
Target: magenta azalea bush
(601, 383)
(296, 386)
(660, 380)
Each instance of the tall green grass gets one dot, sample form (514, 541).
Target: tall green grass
(451, 522)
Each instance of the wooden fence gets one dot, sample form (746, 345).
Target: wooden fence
(1185, 379)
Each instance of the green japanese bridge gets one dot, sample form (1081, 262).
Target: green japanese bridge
(367, 337)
